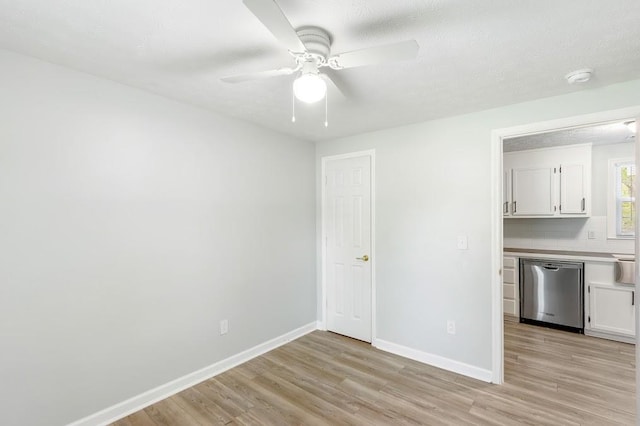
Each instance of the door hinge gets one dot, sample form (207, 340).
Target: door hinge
(588, 289)
(554, 170)
(560, 169)
(589, 318)
(561, 207)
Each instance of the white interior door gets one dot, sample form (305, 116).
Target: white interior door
(347, 227)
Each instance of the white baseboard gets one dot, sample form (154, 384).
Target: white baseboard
(435, 360)
(320, 325)
(610, 336)
(131, 405)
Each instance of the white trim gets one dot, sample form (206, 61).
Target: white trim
(497, 332)
(436, 360)
(637, 252)
(323, 299)
(497, 338)
(374, 258)
(138, 402)
(617, 337)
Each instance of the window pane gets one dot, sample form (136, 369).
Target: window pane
(627, 180)
(625, 201)
(627, 217)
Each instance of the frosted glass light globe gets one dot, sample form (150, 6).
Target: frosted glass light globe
(309, 88)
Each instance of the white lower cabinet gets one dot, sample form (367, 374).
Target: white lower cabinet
(510, 286)
(609, 307)
(612, 309)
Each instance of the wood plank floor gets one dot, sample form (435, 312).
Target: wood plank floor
(552, 378)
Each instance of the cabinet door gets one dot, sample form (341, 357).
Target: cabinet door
(612, 309)
(532, 191)
(506, 187)
(572, 189)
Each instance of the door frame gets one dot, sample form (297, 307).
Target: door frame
(497, 135)
(371, 153)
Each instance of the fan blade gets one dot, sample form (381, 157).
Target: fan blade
(257, 75)
(375, 55)
(334, 86)
(272, 17)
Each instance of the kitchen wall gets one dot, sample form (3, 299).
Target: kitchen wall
(131, 225)
(572, 234)
(433, 183)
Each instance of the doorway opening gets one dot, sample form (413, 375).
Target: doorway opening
(584, 228)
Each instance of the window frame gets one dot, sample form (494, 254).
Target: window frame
(615, 200)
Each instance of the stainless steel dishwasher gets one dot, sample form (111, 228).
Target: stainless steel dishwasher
(551, 293)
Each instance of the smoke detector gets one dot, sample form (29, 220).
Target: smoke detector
(579, 76)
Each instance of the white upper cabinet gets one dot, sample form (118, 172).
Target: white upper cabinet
(573, 194)
(548, 182)
(532, 190)
(506, 191)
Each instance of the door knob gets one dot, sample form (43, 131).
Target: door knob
(364, 258)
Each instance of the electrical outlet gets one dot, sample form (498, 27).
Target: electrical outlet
(451, 327)
(462, 242)
(591, 235)
(224, 327)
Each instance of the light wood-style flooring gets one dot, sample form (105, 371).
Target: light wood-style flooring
(552, 378)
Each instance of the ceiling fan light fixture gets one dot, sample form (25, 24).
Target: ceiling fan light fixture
(309, 88)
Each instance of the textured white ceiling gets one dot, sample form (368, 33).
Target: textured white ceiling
(474, 54)
(599, 134)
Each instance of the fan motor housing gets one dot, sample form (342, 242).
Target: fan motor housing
(317, 42)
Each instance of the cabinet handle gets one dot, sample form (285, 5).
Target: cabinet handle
(633, 298)
(583, 204)
(505, 209)
(514, 206)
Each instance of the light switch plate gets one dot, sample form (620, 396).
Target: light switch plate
(462, 242)
(224, 326)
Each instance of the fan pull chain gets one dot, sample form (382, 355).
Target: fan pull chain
(326, 110)
(293, 103)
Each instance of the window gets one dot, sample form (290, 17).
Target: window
(622, 202)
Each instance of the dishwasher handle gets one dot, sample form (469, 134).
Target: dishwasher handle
(551, 267)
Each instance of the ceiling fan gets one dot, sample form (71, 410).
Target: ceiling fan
(310, 47)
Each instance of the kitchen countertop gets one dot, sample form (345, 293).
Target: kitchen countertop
(561, 254)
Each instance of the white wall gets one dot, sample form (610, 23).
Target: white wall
(434, 183)
(572, 234)
(130, 225)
